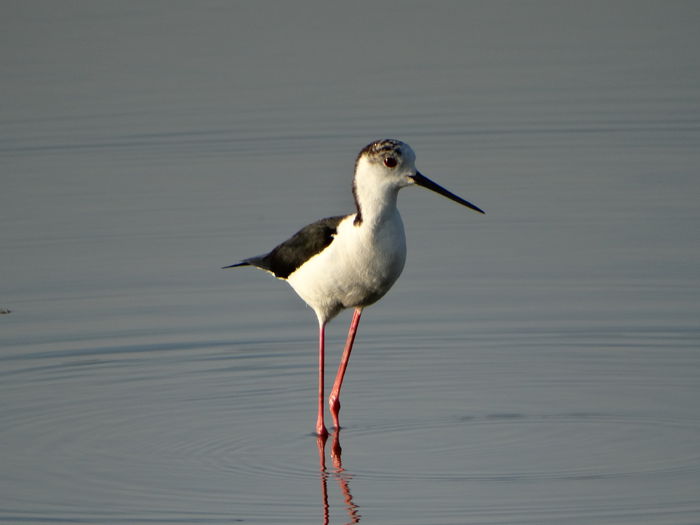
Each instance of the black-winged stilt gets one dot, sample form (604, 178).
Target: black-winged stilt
(351, 261)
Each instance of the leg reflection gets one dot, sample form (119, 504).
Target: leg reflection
(341, 476)
(321, 443)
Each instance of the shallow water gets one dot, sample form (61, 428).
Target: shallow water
(538, 364)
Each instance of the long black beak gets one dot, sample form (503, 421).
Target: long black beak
(424, 181)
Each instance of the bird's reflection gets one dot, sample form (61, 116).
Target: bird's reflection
(341, 476)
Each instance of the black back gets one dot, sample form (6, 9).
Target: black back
(284, 259)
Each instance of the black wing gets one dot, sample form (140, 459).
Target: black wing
(283, 260)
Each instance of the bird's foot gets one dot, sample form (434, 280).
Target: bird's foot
(321, 430)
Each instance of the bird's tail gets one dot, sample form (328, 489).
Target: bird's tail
(242, 263)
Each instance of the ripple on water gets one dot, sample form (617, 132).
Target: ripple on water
(221, 426)
(113, 429)
(521, 447)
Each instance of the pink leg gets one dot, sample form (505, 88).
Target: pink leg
(333, 399)
(320, 425)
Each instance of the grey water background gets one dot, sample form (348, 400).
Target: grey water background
(539, 364)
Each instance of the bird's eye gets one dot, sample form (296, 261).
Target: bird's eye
(390, 162)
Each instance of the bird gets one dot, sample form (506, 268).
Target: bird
(351, 261)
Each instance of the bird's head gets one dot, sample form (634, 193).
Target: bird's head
(386, 163)
(385, 166)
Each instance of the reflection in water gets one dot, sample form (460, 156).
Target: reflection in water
(341, 476)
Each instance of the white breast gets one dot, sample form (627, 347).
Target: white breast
(356, 269)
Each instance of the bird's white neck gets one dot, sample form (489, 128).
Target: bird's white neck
(375, 196)
(373, 206)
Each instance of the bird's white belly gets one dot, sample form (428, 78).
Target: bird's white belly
(355, 270)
